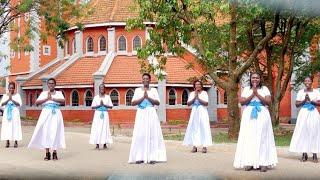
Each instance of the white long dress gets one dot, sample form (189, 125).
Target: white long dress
(147, 140)
(255, 145)
(11, 123)
(49, 131)
(306, 135)
(100, 129)
(198, 132)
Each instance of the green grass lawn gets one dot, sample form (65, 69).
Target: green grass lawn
(222, 137)
(283, 140)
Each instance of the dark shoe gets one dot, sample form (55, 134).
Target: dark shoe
(97, 146)
(304, 157)
(139, 162)
(15, 144)
(315, 158)
(194, 150)
(263, 168)
(48, 156)
(152, 162)
(204, 150)
(8, 144)
(248, 168)
(105, 146)
(54, 156)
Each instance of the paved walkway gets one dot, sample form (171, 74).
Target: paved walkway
(81, 161)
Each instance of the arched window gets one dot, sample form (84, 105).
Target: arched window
(122, 43)
(30, 99)
(129, 97)
(136, 43)
(74, 47)
(184, 97)
(89, 44)
(225, 98)
(114, 96)
(172, 97)
(102, 44)
(74, 98)
(88, 98)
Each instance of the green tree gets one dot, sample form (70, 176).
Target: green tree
(287, 52)
(55, 14)
(229, 35)
(220, 33)
(309, 68)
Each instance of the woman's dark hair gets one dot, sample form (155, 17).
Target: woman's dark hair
(259, 85)
(12, 84)
(310, 77)
(52, 79)
(146, 74)
(194, 83)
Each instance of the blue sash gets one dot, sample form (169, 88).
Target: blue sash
(256, 109)
(145, 103)
(196, 103)
(309, 106)
(102, 109)
(10, 105)
(52, 106)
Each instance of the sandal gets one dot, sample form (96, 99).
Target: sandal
(248, 168)
(48, 156)
(54, 156)
(204, 150)
(194, 150)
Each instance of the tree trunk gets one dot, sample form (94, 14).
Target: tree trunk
(233, 110)
(274, 112)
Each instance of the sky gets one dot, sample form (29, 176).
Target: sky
(4, 50)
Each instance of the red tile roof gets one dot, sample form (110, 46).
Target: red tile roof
(123, 70)
(126, 70)
(102, 11)
(36, 81)
(109, 11)
(80, 72)
(177, 71)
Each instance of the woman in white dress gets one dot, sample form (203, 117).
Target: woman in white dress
(11, 123)
(147, 141)
(198, 132)
(306, 135)
(100, 130)
(49, 131)
(255, 147)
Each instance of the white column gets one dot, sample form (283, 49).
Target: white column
(44, 83)
(60, 50)
(147, 32)
(79, 44)
(294, 109)
(111, 39)
(23, 96)
(212, 104)
(162, 95)
(35, 43)
(98, 79)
